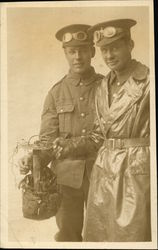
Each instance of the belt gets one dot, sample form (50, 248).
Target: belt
(126, 143)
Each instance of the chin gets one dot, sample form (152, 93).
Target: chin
(79, 71)
(115, 68)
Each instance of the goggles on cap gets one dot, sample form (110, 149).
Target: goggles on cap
(108, 32)
(80, 36)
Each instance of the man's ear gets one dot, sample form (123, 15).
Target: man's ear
(93, 52)
(131, 45)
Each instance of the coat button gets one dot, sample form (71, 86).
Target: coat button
(118, 84)
(81, 98)
(61, 110)
(128, 190)
(83, 131)
(82, 114)
(81, 83)
(114, 95)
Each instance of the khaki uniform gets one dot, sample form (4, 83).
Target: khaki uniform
(69, 111)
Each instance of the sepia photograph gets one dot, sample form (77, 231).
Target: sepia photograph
(78, 125)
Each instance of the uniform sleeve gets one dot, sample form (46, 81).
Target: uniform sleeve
(82, 146)
(49, 120)
(91, 143)
(49, 128)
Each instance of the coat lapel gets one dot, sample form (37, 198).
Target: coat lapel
(128, 95)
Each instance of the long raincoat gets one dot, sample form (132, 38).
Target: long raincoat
(118, 207)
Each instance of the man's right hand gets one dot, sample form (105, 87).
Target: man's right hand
(25, 164)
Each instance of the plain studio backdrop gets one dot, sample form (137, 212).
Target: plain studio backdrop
(35, 62)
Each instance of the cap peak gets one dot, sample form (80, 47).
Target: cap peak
(112, 30)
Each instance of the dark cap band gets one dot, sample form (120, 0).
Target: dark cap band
(108, 32)
(75, 35)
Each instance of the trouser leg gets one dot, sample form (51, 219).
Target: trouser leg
(71, 213)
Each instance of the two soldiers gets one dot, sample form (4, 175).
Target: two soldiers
(109, 115)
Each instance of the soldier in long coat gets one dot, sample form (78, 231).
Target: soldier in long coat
(118, 207)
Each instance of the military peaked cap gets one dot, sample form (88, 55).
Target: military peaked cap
(75, 35)
(110, 31)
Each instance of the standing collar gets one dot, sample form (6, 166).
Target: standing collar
(136, 70)
(88, 77)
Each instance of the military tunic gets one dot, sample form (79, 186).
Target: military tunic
(119, 197)
(69, 112)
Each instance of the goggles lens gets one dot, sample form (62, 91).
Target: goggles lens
(67, 37)
(80, 36)
(107, 32)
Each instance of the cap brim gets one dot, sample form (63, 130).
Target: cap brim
(126, 23)
(106, 41)
(71, 28)
(76, 43)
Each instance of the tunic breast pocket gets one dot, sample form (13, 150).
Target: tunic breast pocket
(65, 113)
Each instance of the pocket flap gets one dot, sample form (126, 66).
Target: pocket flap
(64, 108)
(70, 172)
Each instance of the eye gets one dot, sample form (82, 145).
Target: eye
(84, 51)
(103, 50)
(114, 48)
(71, 51)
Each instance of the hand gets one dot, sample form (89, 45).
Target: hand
(62, 147)
(70, 148)
(57, 147)
(25, 164)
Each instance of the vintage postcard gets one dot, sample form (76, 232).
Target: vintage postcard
(78, 125)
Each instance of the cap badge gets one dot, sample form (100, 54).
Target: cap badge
(109, 32)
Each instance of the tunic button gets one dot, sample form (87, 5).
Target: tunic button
(84, 131)
(118, 84)
(83, 114)
(61, 110)
(81, 83)
(114, 95)
(81, 98)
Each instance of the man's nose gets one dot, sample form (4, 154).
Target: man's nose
(109, 54)
(77, 55)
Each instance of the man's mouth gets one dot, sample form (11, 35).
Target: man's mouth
(112, 62)
(78, 64)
